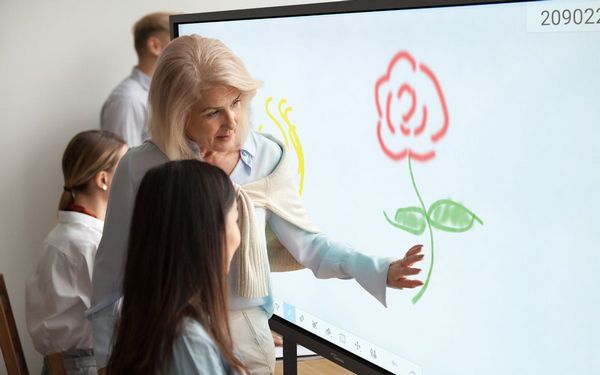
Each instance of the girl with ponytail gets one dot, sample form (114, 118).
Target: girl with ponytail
(59, 291)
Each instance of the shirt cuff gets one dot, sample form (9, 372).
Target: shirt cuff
(371, 273)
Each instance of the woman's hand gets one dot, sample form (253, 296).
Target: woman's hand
(277, 339)
(400, 269)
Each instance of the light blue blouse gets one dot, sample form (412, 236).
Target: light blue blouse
(259, 156)
(195, 352)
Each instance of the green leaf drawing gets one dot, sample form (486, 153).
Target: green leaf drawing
(410, 219)
(451, 216)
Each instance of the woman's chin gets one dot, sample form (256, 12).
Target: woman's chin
(226, 144)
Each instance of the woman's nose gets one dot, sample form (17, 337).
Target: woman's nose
(230, 119)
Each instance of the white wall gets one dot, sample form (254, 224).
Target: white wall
(58, 62)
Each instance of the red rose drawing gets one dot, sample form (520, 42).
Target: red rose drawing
(413, 117)
(412, 110)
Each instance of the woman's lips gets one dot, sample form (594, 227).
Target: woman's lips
(224, 137)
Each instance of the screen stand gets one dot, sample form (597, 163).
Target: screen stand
(290, 356)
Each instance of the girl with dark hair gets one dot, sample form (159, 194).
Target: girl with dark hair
(182, 237)
(59, 291)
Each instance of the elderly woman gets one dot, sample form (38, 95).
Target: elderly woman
(199, 103)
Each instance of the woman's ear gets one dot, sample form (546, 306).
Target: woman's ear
(101, 180)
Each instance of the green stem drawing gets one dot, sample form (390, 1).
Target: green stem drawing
(416, 298)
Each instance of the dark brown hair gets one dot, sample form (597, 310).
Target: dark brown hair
(175, 267)
(87, 154)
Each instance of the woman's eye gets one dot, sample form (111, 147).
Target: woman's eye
(236, 101)
(212, 114)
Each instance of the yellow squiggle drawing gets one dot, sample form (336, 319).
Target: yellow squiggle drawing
(293, 135)
(295, 141)
(275, 121)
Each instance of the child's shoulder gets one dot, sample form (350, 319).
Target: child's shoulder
(194, 351)
(192, 334)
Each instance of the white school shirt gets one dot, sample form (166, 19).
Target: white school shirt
(59, 291)
(258, 158)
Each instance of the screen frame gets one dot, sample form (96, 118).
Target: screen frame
(335, 7)
(287, 329)
(322, 347)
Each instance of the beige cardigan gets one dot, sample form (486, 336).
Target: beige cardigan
(277, 193)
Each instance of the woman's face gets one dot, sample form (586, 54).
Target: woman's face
(215, 120)
(232, 233)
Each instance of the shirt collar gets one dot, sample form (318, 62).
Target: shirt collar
(248, 150)
(72, 217)
(141, 78)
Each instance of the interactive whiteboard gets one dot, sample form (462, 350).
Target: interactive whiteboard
(473, 130)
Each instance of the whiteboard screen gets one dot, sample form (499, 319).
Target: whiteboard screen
(473, 130)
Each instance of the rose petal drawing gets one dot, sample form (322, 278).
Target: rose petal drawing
(411, 108)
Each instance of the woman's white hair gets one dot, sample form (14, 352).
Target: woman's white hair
(186, 67)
